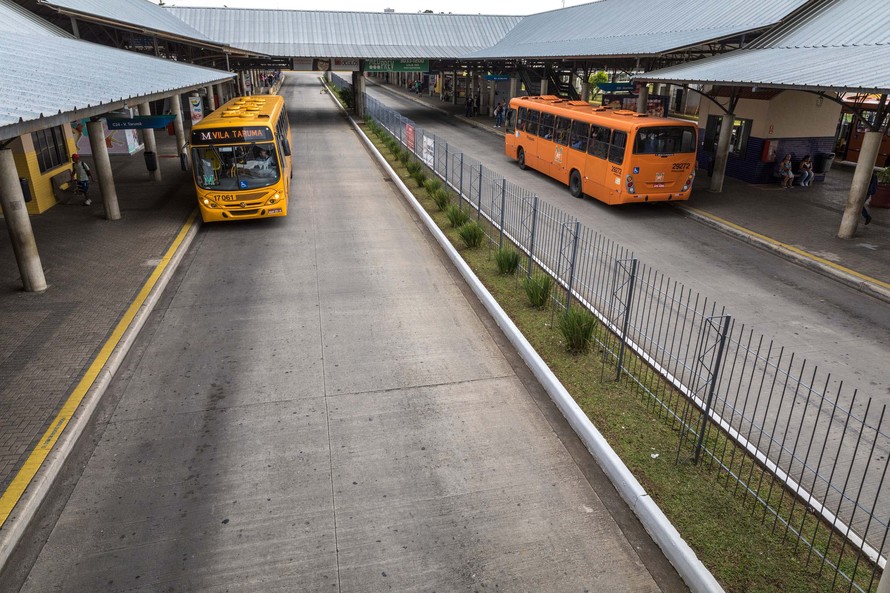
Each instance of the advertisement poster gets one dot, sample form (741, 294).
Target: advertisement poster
(429, 151)
(196, 108)
(117, 141)
(409, 137)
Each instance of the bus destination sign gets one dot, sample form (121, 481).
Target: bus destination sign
(231, 135)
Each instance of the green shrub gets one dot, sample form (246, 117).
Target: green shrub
(576, 326)
(472, 234)
(404, 156)
(418, 176)
(346, 97)
(443, 200)
(507, 260)
(432, 186)
(456, 216)
(413, 167)
(537, 288)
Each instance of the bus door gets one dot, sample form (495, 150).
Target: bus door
(562, 161)
(597, 167)
(530, 139)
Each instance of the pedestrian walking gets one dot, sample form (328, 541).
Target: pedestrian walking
(476, 105)
(468, 106)
(81, 176)
(872, 189)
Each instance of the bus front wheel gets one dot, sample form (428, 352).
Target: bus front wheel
(520, 156)
(575, 184)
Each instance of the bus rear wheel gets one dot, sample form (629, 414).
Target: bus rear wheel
(575, 184)
(520, 156)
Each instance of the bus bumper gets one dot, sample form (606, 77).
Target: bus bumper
(227, 214)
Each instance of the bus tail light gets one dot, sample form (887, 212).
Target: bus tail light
(689, 181)
(629, 182)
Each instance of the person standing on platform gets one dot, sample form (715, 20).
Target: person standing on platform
(81, 176)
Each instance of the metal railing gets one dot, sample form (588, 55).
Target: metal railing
(810, 456)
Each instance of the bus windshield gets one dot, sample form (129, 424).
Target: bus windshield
(235, 167)
(664, 140)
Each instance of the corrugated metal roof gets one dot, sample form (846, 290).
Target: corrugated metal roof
(635, 27)
(18, 20)
(80, 76)
(836, 44)
(865, 68)
(301, 33)
(139, 13)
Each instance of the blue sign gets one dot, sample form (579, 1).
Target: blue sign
(616, 87)
(139, 122)
(242, 185)
(496, 77)
(636, 170)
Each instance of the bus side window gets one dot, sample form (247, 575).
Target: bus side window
(521, 119)
(511, 121)
(562, 130)
(545, 128)
(532, 125)
(580, 132)
(599, 141)
(616, 150)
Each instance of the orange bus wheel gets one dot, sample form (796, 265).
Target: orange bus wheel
(575, 184)
(520, 156)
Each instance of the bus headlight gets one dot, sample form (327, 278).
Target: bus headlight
(274, 198)
(629, 182)
(209, 203)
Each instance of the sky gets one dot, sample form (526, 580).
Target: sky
(491, 7)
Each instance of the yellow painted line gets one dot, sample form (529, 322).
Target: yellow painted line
(791, 248)
(16, 488)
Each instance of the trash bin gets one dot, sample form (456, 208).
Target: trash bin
(151, 160)
(823, 163)
(26, 189)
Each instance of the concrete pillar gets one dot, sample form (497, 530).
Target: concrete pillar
(544, 86)
(148, 137)
(220, 95)
(492, 101)
(454, 87)
(441, 76)
(176, 102)
(643, 98)
(358, 90)
(102, 164)
(585, 90)
(514, 87)
(722, 153)
(211, 101)
(18, 224)
(871, 144)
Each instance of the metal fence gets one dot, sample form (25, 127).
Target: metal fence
(809, 455)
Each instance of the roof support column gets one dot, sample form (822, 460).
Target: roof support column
(643, 98)
(585, 89)
(492, 89)
(358, 90)
(103, 169)
(726, 124)
(176, 104)
(514, 87)
(148, 137)
(544, 84)
(454, 87)
(871, 144)
(18, 222)
(220, 95)
(211, 101)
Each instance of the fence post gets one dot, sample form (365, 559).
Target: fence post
(479, 202)
(460, 190)
(713, 384)
(627, 307)
(503, 206)
(531, 241)
(572, 266)
(446, 164)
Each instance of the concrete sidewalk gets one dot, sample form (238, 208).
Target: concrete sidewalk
(800, 224)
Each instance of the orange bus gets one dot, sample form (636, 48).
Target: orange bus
(241, 157)
(615, 156)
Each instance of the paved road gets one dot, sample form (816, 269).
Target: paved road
(841, 330)
(318, 405)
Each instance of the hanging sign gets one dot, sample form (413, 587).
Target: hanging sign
(139, 122)
(397, 65)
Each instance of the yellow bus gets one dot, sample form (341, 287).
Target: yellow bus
(241, 157)
(615, 156)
